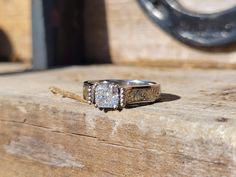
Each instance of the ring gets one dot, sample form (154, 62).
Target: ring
(118, 94)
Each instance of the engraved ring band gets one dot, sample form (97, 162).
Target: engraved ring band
(118, 94)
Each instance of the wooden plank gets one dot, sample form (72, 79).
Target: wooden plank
(7, 69)
(135, 40)
(191, 132)
(15, 25)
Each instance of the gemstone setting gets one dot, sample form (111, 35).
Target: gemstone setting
(107, 95)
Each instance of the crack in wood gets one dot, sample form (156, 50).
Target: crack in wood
(105, 142)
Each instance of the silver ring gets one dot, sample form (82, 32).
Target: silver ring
(118, 94)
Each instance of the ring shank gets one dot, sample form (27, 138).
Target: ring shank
(123, 82)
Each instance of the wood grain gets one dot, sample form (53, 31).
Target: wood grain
(191, 132)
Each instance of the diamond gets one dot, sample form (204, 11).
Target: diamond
(106, 95)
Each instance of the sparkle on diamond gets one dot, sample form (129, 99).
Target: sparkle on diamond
(106, 96)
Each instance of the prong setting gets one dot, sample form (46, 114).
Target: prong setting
(95, 85)
(112, 86)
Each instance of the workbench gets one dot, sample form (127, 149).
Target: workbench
(190, 132)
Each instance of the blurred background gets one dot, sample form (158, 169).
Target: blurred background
(50, 33)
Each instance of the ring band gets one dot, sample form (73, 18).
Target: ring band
(117, 94)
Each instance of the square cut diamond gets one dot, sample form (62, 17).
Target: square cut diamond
(106, 95)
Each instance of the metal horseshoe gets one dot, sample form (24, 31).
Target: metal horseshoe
(200, 30)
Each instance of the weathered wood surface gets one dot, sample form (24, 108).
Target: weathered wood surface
(13, 68)
(45, 135)
(15, 27)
